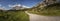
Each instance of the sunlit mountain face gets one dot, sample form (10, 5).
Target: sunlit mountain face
(8, 4)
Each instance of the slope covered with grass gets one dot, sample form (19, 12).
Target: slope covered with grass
(50, 10)
(13, 16)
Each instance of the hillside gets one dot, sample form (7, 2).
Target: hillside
(49, 10)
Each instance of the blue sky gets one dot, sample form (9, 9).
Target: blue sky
(30, 3)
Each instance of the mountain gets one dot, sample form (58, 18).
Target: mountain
(45, 3)
(46, 7)
(17, 7)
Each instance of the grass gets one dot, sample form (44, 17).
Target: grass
(50, 13)
(47, 12)
(14, 16)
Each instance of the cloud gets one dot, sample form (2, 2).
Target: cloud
(25, 6)
(0, 5)
(3, 8)
(14, 5)
(18, 5)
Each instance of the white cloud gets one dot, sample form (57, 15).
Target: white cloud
(3, 8)
(25, 6)
(14, 5)
(0, 5)
(18, 5)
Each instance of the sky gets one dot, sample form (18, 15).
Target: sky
(29, 3)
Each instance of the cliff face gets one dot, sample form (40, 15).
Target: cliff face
(51, 1)
(44, 3)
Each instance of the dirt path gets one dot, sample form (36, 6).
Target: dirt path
(34, 17)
